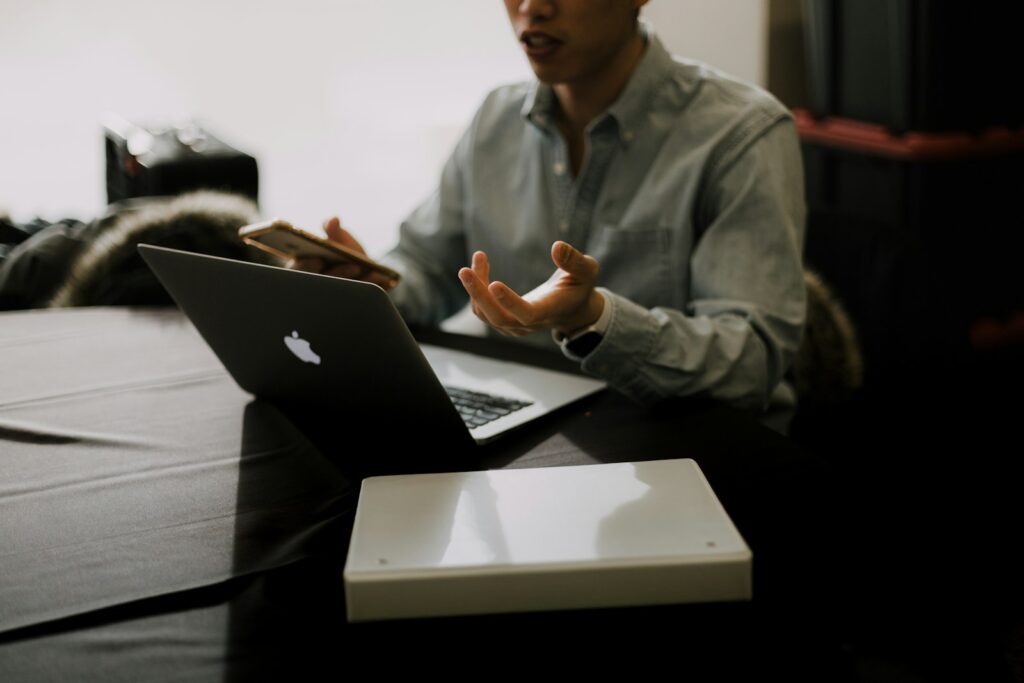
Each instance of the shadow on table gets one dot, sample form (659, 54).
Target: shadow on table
(291, 621)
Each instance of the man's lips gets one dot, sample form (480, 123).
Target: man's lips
(538, 43)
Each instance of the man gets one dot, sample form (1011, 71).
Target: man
(675, 188)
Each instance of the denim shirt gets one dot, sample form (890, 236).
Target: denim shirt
(691, 199)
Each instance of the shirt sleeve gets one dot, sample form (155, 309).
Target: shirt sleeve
(432, 247)
(743, 324)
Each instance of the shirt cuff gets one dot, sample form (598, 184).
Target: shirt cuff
(624, 350)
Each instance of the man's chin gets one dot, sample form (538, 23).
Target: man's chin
(549, 74)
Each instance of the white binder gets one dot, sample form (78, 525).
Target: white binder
(550, 538)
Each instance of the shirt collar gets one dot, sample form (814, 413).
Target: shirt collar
(632, 104)
(539, 107)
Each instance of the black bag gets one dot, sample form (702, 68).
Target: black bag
(170, 160)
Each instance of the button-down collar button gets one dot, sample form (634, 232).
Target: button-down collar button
(558, 168)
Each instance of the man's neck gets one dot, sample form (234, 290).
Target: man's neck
(583, 101)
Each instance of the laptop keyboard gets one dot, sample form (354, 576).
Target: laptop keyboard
(477, 409)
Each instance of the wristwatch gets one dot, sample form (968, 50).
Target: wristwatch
(582, 342)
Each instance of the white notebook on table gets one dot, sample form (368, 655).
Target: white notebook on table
(638, 533)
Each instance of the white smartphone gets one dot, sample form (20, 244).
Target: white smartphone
(281, 238)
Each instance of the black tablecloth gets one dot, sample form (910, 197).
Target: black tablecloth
(157, 521)
(134, 467)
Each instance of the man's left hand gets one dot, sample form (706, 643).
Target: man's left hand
(565, 303)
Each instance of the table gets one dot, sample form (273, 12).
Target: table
(158, 522)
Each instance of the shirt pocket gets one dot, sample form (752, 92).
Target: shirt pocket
(636, 262)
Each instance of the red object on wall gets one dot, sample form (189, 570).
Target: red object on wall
(913, 146)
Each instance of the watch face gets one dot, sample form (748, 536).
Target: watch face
(584, 344)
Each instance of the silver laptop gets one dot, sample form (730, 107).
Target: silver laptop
(330, 346)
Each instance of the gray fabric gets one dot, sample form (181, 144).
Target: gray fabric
(691, 199)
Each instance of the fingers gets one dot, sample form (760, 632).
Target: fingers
(354, 271)
(310, 264)
(380, 279)
(336, 233)
(574, 262)
(351, 271)
(563, 302)
(332, 226)
(519, 308)
(313, 264)
(486, 307)
(482, 267)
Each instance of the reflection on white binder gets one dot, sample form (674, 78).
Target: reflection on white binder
(638, 533)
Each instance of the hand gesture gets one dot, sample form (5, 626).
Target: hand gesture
(567, 301)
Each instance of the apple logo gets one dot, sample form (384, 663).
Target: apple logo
(300, 347)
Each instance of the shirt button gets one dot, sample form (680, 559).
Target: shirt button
(627, 135)
(558, 168)
(564, 226)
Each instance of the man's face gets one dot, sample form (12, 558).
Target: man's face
(570, 41)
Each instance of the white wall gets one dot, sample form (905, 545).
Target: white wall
(349, 105)
(730, 34)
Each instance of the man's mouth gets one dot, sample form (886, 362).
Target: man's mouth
(539, 44)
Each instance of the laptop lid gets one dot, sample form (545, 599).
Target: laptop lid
(316, 345)
(319, 344)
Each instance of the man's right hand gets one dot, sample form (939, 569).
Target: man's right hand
(352, 271)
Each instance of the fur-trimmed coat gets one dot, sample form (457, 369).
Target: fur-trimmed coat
(97, 263)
